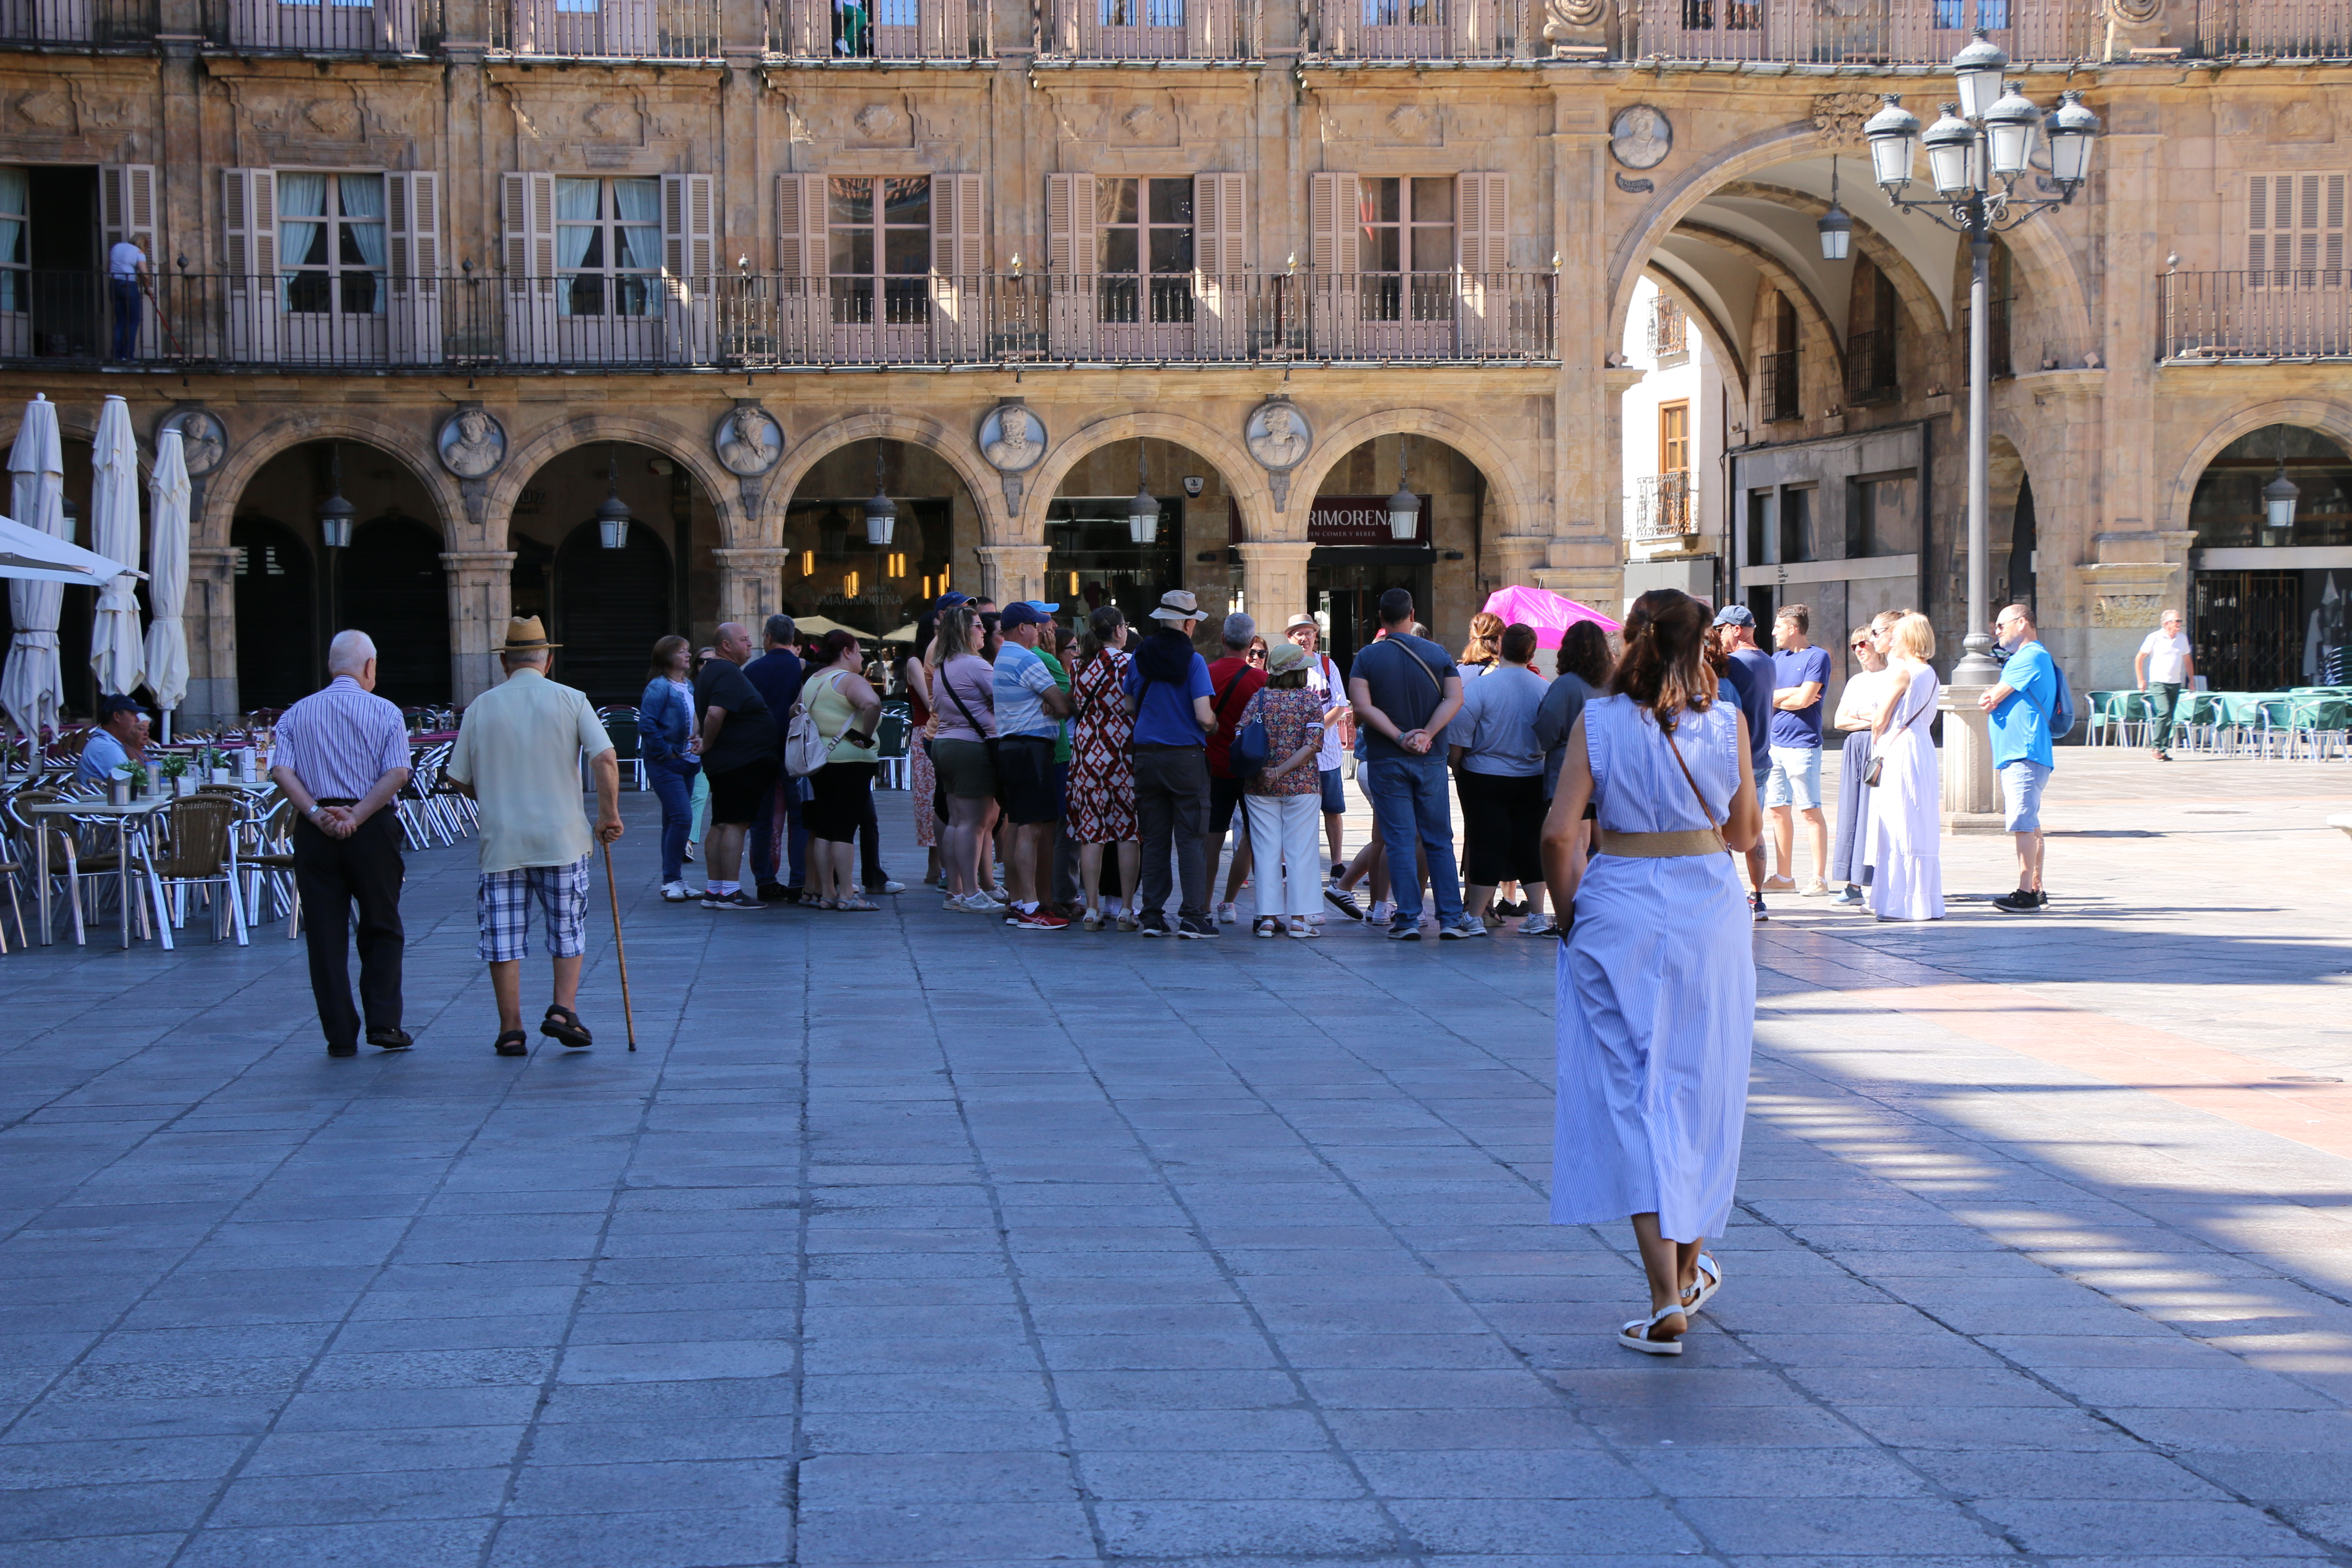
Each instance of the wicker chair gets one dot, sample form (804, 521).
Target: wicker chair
(23, 832)
(200, 851)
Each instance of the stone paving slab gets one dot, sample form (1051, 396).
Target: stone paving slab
(905, 1239)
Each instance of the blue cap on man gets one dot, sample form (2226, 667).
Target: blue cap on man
(1024, 613)
(1734, 616)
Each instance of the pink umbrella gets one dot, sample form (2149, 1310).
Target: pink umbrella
(1551, 614)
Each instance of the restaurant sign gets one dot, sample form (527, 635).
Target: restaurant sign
(1349, 519)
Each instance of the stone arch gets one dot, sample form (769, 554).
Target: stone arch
(1776, 272)
(952, 448)
(1516, 508)
(248, 455)
(690, 448)
(2333, 420)
(1928, 316)
(2056, 265)
(1245, 481)
(1731, 355)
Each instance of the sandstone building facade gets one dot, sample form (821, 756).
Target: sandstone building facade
(479, 263)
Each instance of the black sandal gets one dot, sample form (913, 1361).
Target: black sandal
(563, 1024)
(513, 1043)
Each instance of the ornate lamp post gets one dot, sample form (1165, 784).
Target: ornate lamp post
(881, 511)
(1404, 507)
(1977, 154)
(1143, 511)
(613, 512)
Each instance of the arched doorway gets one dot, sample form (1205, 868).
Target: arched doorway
(2268, 606)
(392, 586)
(1355, 558)
(276, 635)
(836, 573)
(1094, 557)
(617, 606)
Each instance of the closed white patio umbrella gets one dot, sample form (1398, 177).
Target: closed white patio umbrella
(118, 652)
(33, 689)
(167, 577)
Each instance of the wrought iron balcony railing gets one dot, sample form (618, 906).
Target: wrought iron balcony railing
(1147, 30)
(1424, 29)
(1870, 367)
(608, 29)
(314, 27)
(2274, 29)
(1778, 386)
(1874, 32)
(1669, 330)
(880, 29)
(1662, 507)
(2287, 312)
(83, 24)
(361, 321)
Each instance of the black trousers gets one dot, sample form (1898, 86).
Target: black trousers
(331, 875)
(1171, 803)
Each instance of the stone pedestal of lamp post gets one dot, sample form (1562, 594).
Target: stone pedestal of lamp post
(1972, 795)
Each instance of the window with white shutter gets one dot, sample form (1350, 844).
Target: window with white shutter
(1482, 207)
(2294, 231)
(803, 313)
(249, 234)
(413, 216)
(690, 260)
(1335, 252)
(1070, 261)
(527, 210)
(959, 260)
(1221, 262)
(16, 259)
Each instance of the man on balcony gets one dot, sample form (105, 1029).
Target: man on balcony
(126, 267)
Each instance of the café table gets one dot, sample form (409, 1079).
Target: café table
(124, 816)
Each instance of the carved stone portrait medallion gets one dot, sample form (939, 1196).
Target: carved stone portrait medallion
(1641, 137)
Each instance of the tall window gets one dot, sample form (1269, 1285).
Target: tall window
(15, 240)
(1407, 255)
(879, 237)
(1952, 16)
(1140, 13)
(330, 243)
(1673, 438)
(1404, 13)
(608, 246)
(1143, 249)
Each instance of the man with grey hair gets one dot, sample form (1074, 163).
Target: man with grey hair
(1235, 680)
(776, 676)
(342, 755)
(518, 753)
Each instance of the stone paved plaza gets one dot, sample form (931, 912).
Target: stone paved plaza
(907, 1240)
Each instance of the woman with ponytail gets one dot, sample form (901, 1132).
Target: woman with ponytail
(1657, 982)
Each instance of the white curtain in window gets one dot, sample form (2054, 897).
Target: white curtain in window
(300, 198)
(363, 201)
(576, 210)
(637, 205)
(11, 234)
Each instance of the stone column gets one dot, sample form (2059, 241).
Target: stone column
(480, 600)
(1274, 583)
(211, 621)
(1580, 491)
(1972, 795)
(1010, 571)
(751, 584)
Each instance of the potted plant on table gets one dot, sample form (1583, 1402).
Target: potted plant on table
(175, 768)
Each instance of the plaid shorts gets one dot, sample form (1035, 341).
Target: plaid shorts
(502, 910)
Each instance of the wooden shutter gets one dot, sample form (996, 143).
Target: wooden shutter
(413, 229)
(958, 262)
(690, 262)
(803, 295)
(1070, 263)
(126, 201)
(2294, 231)
(1221, 265)
(250, 226)
(527, 206)
(1482, 250)
(1335, 225)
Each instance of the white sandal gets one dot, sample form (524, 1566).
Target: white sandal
(1703, 1290)
(1635, 1335)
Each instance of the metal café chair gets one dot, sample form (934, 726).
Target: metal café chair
(199, 853)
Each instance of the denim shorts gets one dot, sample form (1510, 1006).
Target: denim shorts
(1795, 777)
(2020, 794)
(1335, 794)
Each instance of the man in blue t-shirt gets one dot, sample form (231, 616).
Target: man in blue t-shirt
(2021, 707)
(1793, 788)
(1167, 691)
(1405, 691)
(1749, 671)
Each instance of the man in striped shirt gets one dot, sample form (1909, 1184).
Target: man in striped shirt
(342, 754)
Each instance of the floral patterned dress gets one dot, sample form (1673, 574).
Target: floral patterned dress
(1102, 779)
(921, 780)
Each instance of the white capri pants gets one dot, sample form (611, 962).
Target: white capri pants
(1291, 823)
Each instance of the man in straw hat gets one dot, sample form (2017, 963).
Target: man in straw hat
(1167, 691)
(518, 753)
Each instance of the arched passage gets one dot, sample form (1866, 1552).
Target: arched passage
(834, 569)
(2269, 604)
(1356, 556)
(393, 587)
(1093, 554)
(275, 586)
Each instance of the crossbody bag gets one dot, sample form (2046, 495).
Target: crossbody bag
(956, 696)
(1878, 763)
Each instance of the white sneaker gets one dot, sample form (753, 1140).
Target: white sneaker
(1816, 888)
(887, 887)
(1779, 884)
(980, 903)
(675, 894)
(1381, 913)
(995, 896)
(1228, 915)
(1538, 924)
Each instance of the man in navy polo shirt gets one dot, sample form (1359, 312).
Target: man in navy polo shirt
(1168, 690)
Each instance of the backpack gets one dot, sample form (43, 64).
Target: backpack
(806, 747)
(2061, 707)
(1248, 756)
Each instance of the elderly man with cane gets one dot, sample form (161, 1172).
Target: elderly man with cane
(342, 755)
(517, 754)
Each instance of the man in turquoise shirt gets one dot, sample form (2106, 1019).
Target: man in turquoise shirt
(2021, 707)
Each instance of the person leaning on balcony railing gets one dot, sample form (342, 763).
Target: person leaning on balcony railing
(126, 270)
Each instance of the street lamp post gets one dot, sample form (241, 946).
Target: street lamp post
(1977, 154)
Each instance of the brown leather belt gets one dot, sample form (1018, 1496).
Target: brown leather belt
(1659, 845)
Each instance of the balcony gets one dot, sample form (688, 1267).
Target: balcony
(879, 29)
(608, 29)
(1778, 386)
(1663, 508)
(746, 322)
(1422, 30)
(1147, 30)
(78, 23)
(313, 27)
(2278, 314)
(1870, 368)
(1669, 333)
(2274, 29)
(1869, 32)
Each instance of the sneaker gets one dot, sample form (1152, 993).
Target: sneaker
(1779, 884)
(2019, 903)
(1156, 924)
(980, 903)
(996, 896)
(1538, 924)
(885, 886)
(1228, 916)
(1036, 920)
(773, 892)
(1506, 908)
(1756, 908)
(1303, 927)
(1315, 919)
(1344, 902)
(1401, 932)
(675, 894)
(1466, 927)
(1381, 913)
(740, 899)
(1816, 888)
(1851, 899)
(2164, 756)
(1266, 925)
(1195, 929)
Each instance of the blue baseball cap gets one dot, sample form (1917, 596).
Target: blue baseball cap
(1734, 616)
(1023, 613)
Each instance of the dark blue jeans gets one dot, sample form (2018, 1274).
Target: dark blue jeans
(1410, 799)
(674, 788)
(787, 805)
(126, 316)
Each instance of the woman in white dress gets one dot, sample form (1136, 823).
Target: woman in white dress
(1906, 826)
(1657, 981)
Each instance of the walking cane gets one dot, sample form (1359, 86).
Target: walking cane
(613, 890)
